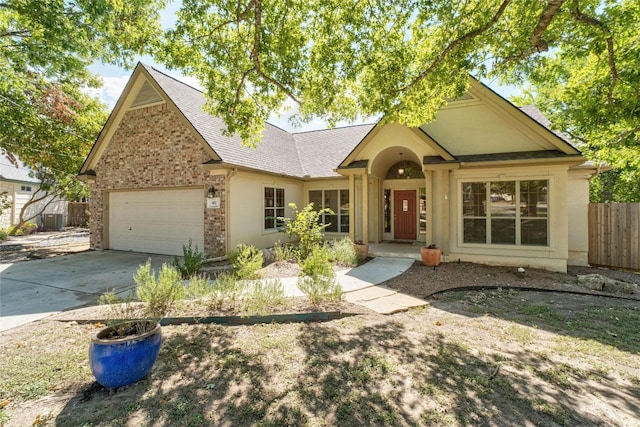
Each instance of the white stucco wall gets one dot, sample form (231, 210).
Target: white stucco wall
(578, 211)
(246, 207)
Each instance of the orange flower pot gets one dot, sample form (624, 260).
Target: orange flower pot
(431, 256)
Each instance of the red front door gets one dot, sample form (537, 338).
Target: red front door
(404, 215)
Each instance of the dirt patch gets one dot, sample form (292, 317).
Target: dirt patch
(498, 357)
(422, 281)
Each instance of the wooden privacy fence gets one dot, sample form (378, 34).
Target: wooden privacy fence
(78, 214)
(614, 234)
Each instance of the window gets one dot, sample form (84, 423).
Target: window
(26, 188)
(423, 211)
(338, 202)
(273, 207)
(506, 212)
(387, 211)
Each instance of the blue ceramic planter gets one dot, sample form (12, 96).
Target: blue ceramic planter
(123, 361)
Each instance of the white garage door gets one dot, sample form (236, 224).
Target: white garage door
(156, 221)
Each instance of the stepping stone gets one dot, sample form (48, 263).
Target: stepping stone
(393, 303)
(368, 294)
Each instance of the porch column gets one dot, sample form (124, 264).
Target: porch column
(446, 210)
(428, 179)
(352, 207)
(365, 208)
(438, 210)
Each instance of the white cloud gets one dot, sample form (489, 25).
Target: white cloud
(110, 91)
(113, 87)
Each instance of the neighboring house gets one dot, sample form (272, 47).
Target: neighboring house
(20, 186)
(485, 181)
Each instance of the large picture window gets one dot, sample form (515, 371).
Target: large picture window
(273, 207)
(506, 212)
(338, 202)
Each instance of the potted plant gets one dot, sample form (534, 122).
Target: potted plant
(362, 249)
(431, 255)
(125, 351)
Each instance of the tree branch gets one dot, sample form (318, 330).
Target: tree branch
(239, 89)
(17, 33)
(241, 15)
(468, 36)
(589, 20)
(538, 44)
(543, 22)
(255, 52)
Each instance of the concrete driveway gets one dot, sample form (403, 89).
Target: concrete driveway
(35, 289)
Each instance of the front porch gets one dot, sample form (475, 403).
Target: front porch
(396, 250)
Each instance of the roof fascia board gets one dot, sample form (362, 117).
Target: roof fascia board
(572, 161)
(353, 155)
(18, 181)
(351, 171)
(525, 124)
(439, 149)
(213, 168)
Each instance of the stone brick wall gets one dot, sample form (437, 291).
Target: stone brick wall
(153, 149)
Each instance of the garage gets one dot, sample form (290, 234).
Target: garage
(156, 221)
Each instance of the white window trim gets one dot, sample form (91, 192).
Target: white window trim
(277, 227)
(323, 189)
(517, 245)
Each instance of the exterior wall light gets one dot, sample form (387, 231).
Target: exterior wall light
(211, 192)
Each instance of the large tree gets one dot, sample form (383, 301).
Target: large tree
(590, 87)
(46, 47)
(401, 59)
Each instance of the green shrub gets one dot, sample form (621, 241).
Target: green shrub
(4, 233)
(246, 260)
(318, 263)
(227, 287)
(343, 252)
(159, 293)
(193, 260)
(263, 296)
(120, 309)
(319, 282)
(306, 228)
(320, 288)
(198, 287)
(28, 228)
(284, 252)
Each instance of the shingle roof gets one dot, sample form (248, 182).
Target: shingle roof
(315, 153)
(533, 112)
(306, 154)
(322, 151)
(11, 172)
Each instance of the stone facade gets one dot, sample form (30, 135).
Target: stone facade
(153, 148)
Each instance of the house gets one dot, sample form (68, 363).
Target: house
(17, 185)
(485, 181)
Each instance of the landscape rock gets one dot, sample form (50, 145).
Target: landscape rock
(597, 282)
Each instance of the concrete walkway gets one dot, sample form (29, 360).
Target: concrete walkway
(360, 285)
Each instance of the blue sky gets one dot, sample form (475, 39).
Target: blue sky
(116, 78)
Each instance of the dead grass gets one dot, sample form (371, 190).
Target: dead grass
(474, 358)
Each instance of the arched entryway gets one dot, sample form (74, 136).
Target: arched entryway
(401, 198)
